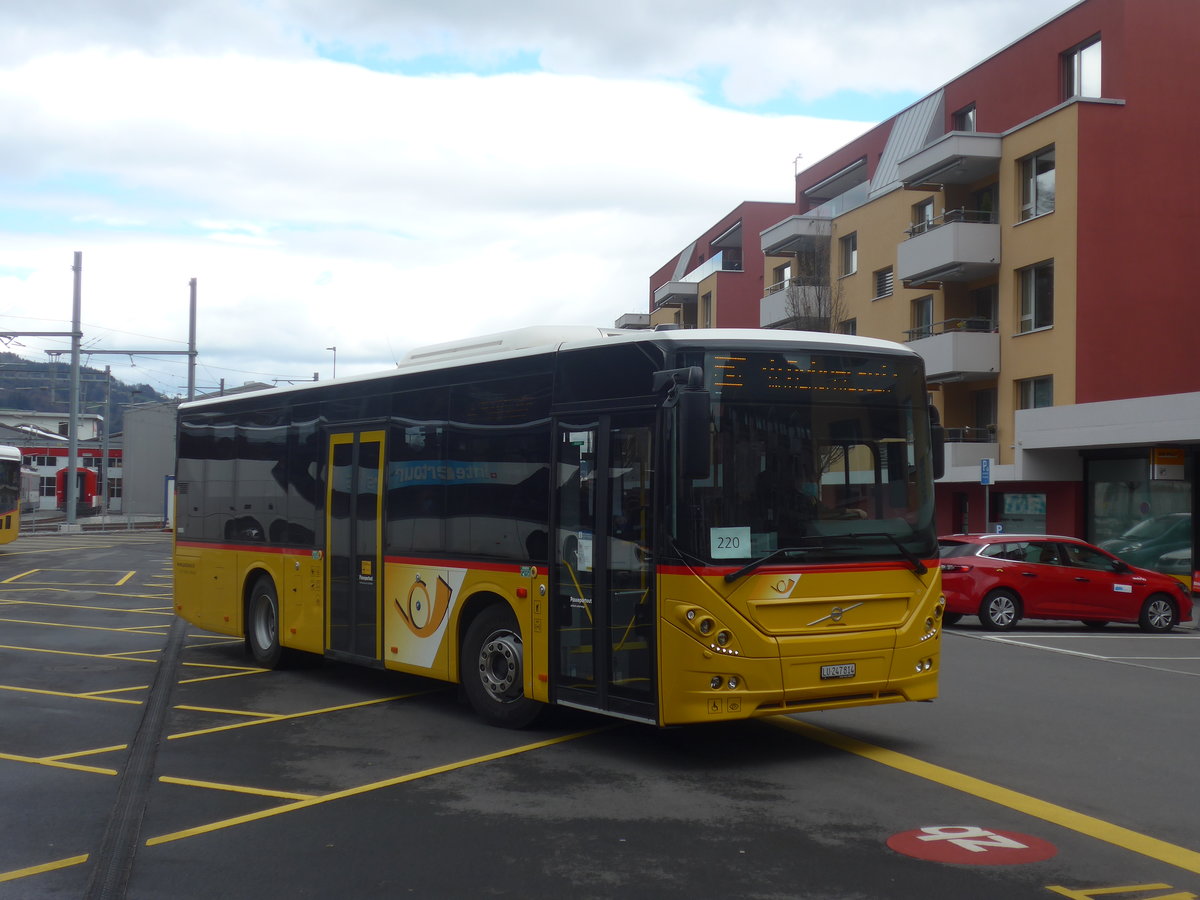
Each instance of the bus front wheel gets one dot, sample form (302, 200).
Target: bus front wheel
(492, 669)
(262, 624)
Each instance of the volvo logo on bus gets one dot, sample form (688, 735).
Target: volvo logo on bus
(835, 615)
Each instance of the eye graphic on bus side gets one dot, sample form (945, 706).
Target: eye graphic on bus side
(424, 614)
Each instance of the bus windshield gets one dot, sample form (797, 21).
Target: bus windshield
(821, 453)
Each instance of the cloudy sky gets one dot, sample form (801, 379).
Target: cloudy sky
(377, 175)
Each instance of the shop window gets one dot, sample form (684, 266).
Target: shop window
(1144, 520)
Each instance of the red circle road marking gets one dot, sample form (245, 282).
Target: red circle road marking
(971, 845)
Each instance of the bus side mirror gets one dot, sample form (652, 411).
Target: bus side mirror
(937, 435)
(695, 450)
(937, 438)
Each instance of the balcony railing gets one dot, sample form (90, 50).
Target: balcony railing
(971, 434)
(718, 262)
(950, 216)
(974, 324)
(798, 281)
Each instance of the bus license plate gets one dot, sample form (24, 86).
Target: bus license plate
(846, 670)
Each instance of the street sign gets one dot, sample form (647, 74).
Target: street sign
(985, 471)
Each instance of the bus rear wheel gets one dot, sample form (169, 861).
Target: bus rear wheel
(492, 669)
(262, 624)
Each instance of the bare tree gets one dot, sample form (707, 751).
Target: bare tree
(814, 300)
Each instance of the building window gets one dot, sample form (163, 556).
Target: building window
(1037, 184)
(780, 276)
(922, 217)
(922, 319)
(848, 326)
(984, 408)
(964, 119)
(883, 283)
(47, 486)
(985, 203)
(1081, 70)
(1037, 297)
(849, 248)
(1034, 393)
(706, 303)
(114, 488)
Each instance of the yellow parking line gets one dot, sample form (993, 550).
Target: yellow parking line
(19, 577)
(235, 788)
(367, 788)
(229, 712)
(79, 754)
(225, 675)
(1089, 826)
(26, 690)
(117, 656)
(125, 579)
(65, 625)
(299, 715)
(55, 764)
(43, 868)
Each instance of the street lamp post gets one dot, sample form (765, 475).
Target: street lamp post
(334, 349)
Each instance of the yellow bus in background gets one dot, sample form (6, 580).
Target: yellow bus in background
(664, 526)
(14, 489)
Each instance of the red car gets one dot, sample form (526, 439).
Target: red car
(1003, 578)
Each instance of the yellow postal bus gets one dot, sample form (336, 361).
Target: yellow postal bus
(665, 526)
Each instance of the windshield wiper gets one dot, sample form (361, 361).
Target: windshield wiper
(831, 542)
(918, 566)
(762, 561)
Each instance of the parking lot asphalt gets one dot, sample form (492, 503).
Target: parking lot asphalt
(143, 758)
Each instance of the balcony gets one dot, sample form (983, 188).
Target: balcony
(962, 457)
(795, 234)
(676, 293)
(687, 289)
(957, 349)
(960, 157)
(959, 245)
(796, 303)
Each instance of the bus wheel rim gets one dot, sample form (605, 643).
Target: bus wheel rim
(500, 666)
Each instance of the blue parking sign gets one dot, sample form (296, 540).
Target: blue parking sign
(985, 471)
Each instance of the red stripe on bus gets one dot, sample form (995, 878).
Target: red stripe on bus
(244, 548)
(710, 571)
(454, 563)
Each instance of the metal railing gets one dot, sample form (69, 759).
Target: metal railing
(950, 216)
(971, 434)
(798, 281)
(972, 324)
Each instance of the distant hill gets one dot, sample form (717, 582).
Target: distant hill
(46, 387)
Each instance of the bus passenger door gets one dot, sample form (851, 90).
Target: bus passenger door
(353, 518)
(605, 610)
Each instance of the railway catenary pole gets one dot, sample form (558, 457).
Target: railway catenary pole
(76, 335)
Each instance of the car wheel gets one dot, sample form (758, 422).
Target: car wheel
(1095, 623)
(951, 618)
(1158, 614)
(1000, 611)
